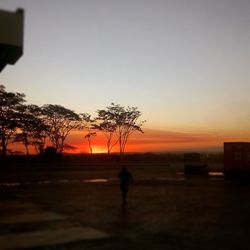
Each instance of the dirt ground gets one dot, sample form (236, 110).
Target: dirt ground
(164, 210)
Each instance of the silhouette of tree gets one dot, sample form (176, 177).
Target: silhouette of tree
(40, 129)
(11, 109)
(61, 121)
(32, 130)
(108, 127)
(88, 137)
(120, 121)
(24, 138)
(89, 124)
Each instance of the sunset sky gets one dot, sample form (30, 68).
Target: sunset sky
(183, 63)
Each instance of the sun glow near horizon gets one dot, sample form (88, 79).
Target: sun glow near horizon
(159, 141)
(98, 149)
(152, 141)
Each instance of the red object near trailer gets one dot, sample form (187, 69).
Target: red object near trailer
(237, 159)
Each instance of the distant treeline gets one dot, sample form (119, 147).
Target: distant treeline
(50, 124)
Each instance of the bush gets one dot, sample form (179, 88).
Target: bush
(51, 154)
(50, 151)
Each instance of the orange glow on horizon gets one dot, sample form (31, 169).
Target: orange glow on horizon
(151, 141)
(160, 141)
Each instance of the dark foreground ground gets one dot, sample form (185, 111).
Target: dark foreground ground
(164, 210)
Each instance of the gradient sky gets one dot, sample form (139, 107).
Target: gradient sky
(183, 63)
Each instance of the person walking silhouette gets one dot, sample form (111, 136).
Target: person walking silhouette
(126, 179)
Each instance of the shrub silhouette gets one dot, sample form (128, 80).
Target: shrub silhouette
(50, 151)
(51, 154)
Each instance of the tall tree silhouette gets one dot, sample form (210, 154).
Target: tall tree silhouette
(121, 121)
(107, 126)
(11, 109)
(88, 123)
(61, 121)
(32, 130)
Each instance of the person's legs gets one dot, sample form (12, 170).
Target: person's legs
(124, 193)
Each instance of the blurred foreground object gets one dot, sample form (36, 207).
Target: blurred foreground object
(237, 160)
(11, 36)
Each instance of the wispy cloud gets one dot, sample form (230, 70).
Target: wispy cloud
(159, 136)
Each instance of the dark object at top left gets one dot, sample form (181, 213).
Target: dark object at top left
(11, 36)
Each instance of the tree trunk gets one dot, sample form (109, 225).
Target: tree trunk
(90, 148)
(4, 147)
(27, 150)
(108, 146)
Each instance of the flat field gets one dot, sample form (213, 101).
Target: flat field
(165, 209)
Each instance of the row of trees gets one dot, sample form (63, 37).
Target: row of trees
(51, 124)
